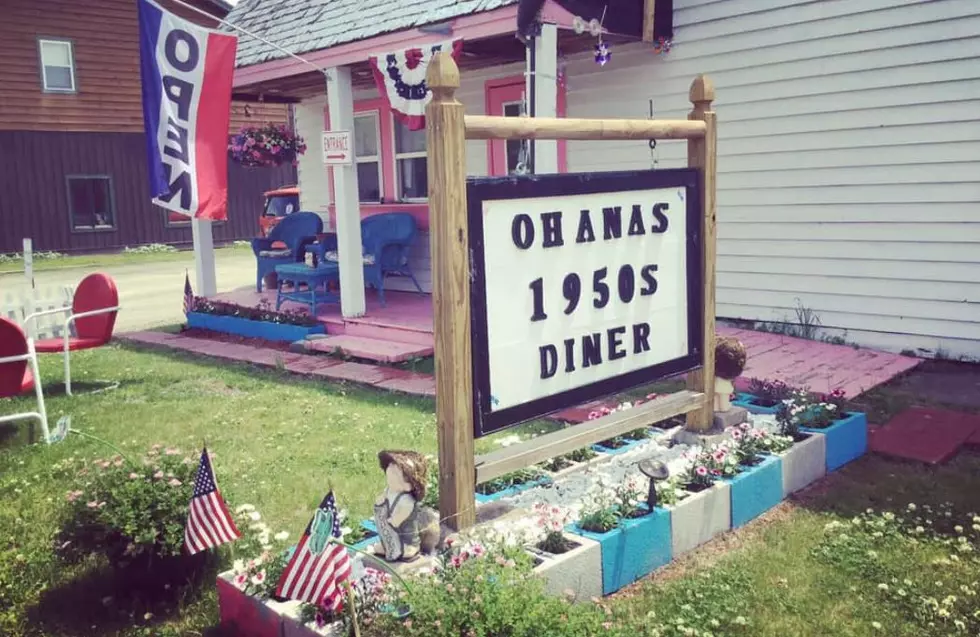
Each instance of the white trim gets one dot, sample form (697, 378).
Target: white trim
(67, 44)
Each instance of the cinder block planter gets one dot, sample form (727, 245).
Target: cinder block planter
(629, 445)
(847, 439)
(752, 403)
(483, 499)
(700, 517)
(804, 463)
(250, 328)
(578, 570)
(246, 616)
(633, 549)
(756, 490)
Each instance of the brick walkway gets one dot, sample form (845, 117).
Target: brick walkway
(390, 378)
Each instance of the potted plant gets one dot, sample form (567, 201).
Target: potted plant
(707, 510)
(804, 454)
(566, 560)
(633, 540)
(764, 396)
(270, 145)
(846, 432)
(758, 484)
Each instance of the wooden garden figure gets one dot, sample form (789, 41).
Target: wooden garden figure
(406, 528)
(730, 358)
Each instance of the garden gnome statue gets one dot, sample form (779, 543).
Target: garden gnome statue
(406, 528)
(730, 360)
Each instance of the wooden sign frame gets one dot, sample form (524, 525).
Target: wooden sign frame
(447, 129)
(485, 419)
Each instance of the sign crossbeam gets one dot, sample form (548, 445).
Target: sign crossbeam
(595, 212)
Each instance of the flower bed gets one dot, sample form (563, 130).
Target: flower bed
(252, 329)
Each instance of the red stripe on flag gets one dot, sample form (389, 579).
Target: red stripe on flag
(213, 116)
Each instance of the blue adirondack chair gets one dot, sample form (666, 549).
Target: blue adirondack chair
(386, 239)
(297, 231)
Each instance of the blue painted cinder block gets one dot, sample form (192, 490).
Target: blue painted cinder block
(483, 499)
(748, 401)
(250, 328)
(847, 439)
(756, 490)
(632, 550)
(629, 445)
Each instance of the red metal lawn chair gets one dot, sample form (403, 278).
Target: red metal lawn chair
(18, 373)
(93, 312)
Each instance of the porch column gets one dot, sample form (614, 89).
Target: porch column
(546, 95)
(204, 257)
(340, 107)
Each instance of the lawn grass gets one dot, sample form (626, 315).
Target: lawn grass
(280, 442)
(104, 260)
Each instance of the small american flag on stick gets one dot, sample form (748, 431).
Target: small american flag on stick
(209, 522)
(319, 568)
(188, 294)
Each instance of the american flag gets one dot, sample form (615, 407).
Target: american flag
(209, 522)
(188, 294)
(319, 568)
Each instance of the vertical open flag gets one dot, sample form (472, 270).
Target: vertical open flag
(209, 523)
(186, 73)
(319, 568)
(188, 294)
(400, 77)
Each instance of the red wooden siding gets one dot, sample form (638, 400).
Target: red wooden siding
(34, 193)
(106, 50)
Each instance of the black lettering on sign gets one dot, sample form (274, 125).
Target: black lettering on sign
(537, 298)
(591, 350)
(660, 217)
(601, 288)
(636, 222)
(178, 134)
(552, 229)
(641, 338)
(522, 231)
(569, 354)
(571, 288)
(616, 349)
(649, 280)
(585, 232)
(612, 223)
(192, 54)
(549, 360)
(181, 183)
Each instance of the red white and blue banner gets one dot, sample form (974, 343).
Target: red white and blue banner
(186, 73)
(400, 77)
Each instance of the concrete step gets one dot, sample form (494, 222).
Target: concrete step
(380, 351)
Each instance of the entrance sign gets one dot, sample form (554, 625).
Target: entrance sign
(338, 148)
(582, 286)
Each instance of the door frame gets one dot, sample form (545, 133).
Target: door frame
(506, 90)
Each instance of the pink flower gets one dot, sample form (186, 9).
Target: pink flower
(593, 415)
(241, 580)
(174, 482)
(719, 456)
(701, 471)
(736, 434)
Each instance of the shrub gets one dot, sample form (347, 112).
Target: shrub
(263, 312)
(130, 512)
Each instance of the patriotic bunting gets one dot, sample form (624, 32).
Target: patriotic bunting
(400, 77)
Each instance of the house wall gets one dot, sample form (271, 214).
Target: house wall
(105, 39)
(849, 157)
(34, 201)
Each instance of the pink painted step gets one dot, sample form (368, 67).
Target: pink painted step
(369, 348)
(372, 328)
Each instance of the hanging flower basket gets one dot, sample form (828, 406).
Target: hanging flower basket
(270, 145)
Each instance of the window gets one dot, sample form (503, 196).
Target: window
(410, 163)
(368, 155)
(90, 203)
(513, 109)
(57, 66)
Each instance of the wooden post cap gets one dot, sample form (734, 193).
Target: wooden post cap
(702, 92)
(442, 77)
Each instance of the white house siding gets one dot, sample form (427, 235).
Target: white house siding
(849, 157)
(312, 174)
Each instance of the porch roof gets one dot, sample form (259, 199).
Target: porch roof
(302, 26)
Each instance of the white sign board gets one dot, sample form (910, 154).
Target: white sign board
(581, 291)
(338, 148)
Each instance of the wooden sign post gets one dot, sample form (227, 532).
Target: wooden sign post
(490, 374)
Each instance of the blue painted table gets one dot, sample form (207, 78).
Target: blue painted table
(298, 274)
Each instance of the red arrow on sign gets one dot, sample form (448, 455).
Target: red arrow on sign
(336, 156)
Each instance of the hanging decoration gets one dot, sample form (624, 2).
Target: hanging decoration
(270, 145)
(400, 77)
(594, 27)
(662, 45)
(602, 53)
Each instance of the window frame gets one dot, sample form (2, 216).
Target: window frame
(377, 159)
(72, 67)
(396, 156)
(71, 205)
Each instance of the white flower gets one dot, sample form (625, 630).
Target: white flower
(876, 625)
(244, 508)
(254, 516)
(911, 507)
(239, 566)
(281, 536)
